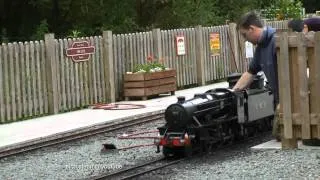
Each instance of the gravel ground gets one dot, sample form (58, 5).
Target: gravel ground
(79, 159)
(241, 162)
(83, 158)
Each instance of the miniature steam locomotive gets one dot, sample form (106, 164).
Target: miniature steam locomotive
(216, 117)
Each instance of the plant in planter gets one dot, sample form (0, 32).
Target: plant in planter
(151, 78)
(150, 66)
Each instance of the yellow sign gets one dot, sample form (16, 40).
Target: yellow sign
(215, 44)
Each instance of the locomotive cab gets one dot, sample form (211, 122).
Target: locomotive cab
(255, 102)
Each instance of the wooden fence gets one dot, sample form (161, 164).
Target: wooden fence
(23, 89)
(36, 77)
(130, 49)
(299, 81)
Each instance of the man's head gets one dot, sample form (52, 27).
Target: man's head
(296, 25)
(250, 27)
(310, 24)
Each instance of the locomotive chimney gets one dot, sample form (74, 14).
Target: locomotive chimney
(181, 99)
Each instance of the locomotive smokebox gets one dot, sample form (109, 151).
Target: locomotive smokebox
(258, 82)
(181, 99)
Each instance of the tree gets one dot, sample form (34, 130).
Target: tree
(73, 18)
(311, 6)
(285, 9)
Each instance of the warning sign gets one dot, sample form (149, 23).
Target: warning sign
(214, 44)
(181, 45)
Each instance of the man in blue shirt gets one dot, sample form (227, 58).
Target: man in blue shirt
(265, 58)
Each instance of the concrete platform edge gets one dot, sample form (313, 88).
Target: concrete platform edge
(76, 131)
(274, 145)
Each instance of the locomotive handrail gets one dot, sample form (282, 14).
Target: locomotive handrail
(225, 90)
(220, 90)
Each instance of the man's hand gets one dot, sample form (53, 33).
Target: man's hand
(244, 81)
(236, 89)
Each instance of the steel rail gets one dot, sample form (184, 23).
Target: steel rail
(78, 134)
(139, 170)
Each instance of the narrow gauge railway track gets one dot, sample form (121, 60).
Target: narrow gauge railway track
(139, 170)
(79, 134)
(157, 164)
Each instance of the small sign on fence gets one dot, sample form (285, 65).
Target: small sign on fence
(214, 44)
(181, 45)
(249, 49)
(80, 51)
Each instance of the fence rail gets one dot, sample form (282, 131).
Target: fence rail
(36, 77)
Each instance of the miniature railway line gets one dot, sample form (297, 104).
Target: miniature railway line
(161, 163)
(79, 134)
(139, 170)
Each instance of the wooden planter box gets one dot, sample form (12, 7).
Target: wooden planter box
(148, 84)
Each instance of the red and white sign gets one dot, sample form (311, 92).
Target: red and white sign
(80, 51)
(181, 45)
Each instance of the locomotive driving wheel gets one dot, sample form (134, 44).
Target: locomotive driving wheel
(170, 152)
(188, 151)
(204, 146)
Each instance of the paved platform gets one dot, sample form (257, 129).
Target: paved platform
(44, 127)
(273, 144)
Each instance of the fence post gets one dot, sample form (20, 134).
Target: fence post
(51, 71)
(234, 47)
(157, 50)
(288, 140)
(108, 59)
(200, 57)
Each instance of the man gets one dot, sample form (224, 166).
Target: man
(310, 24)
(297, 25)
(265, 59)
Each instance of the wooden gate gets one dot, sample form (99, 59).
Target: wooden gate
(299, 86)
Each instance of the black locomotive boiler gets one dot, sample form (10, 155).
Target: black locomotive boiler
(216, 117)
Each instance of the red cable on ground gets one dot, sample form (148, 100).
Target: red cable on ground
(117, 106)
(136, 146)
(133, 136)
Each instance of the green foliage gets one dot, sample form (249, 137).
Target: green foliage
(4, 36)
(75, 34)
(86, 18)
(285, 9)
(127, 25)
(311, 5)
(41, 30)
(186, 13)
(152, 65)
(149, 67)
